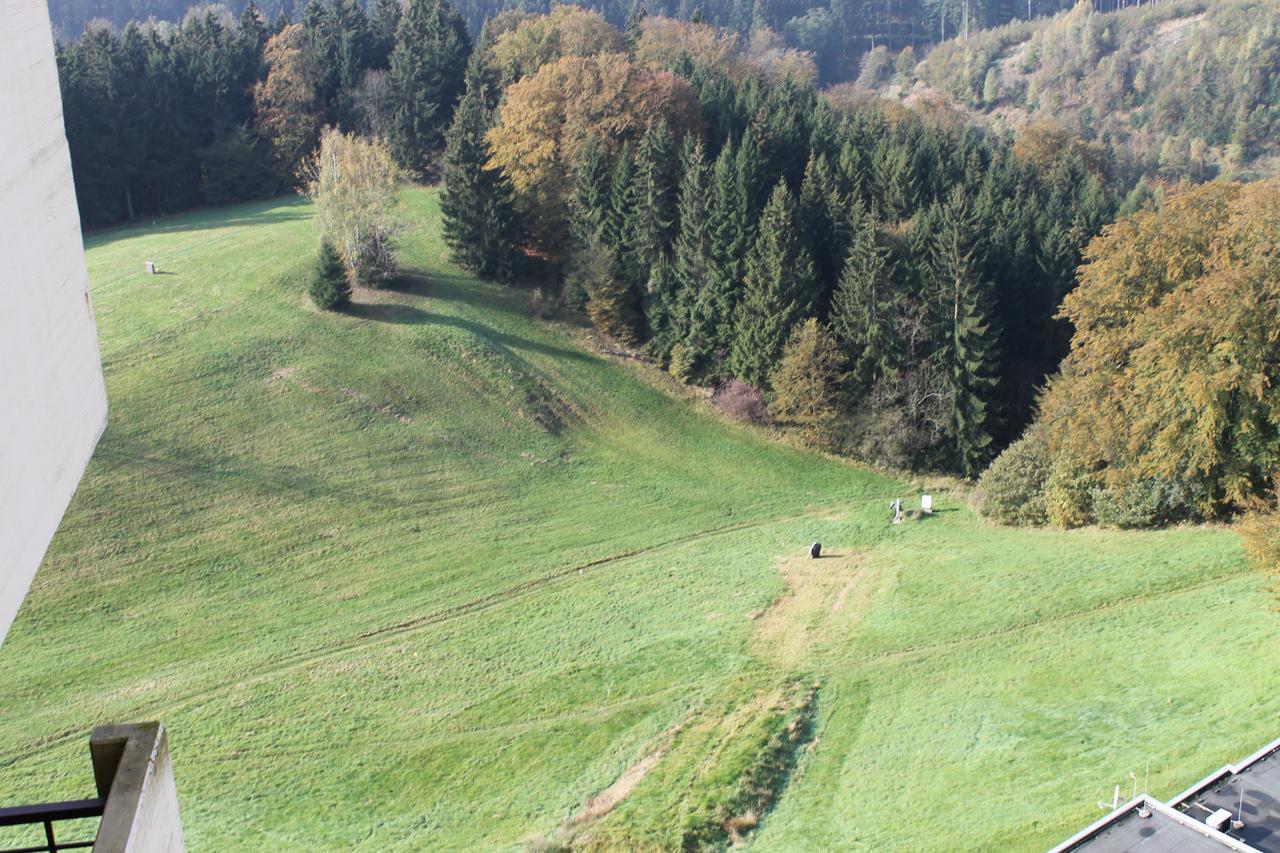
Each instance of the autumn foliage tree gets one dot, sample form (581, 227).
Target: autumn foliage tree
(1174, 370)
(546, 119)
(807, 384)
(537, 40)
(287, 105)
(353, 183)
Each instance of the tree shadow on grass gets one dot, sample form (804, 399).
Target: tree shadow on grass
(387, 312)
(463, 289)
(268, 212)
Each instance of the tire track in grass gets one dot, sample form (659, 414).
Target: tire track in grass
(399, 629)
(371, 638)
(1080, 613)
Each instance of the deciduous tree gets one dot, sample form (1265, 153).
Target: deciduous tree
(807, 383)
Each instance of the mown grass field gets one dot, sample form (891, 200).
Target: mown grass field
(432, 575)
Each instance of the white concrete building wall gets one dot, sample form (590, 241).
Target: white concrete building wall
(53, 404)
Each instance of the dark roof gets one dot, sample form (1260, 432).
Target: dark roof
(1146, 825)
(1259, 780)
(1162, 829)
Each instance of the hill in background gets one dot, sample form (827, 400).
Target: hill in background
(1186, 88)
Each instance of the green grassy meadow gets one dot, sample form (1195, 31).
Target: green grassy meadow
(431, 575)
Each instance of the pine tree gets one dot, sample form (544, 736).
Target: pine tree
(863, 309)
(807, 383)
(691, 263)
(590, 206)
(777, 293)
(650, 216)
(481, 224)
(712, 326)
(821, 218)
(614, 227)
(965, 340)
(330, 288)
(426, 77)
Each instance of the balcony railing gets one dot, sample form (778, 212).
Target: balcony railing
(48, 814)
(137, 800)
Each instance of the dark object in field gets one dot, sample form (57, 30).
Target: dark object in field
(815, 550)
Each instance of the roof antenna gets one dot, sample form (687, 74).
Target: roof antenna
(1143, 811)
(1238, 823)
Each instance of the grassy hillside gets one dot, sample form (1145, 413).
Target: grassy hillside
(1183, 88)
(432, 575)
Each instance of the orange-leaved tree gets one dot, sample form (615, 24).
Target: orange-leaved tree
(545, 120)
(1174, 369)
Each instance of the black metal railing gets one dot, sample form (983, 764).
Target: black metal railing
(47, 814)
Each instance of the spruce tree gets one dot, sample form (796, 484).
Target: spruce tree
(385, 20)
(650, 219)
(330, 288)
(481, 225)
(614, 227)
(965, 340)
(661, 291)
(893, 179)
(777, 292)
(610, 303)
(426, 77)
(822, 220)
(355, 48)
(863, 309)
(635, 17)
(691, 264)
(752, 178)
(711, 326)
(253, 29)
(590, 204)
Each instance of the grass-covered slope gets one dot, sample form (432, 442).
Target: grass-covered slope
(432, 575)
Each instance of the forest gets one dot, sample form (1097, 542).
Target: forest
(1164, 91)
(889, 282)
(836, 32)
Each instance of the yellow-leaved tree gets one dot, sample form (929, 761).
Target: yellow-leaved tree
(354, 184)
(807, 384)
(545, 119)
(1173, 378)
(536, 40)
